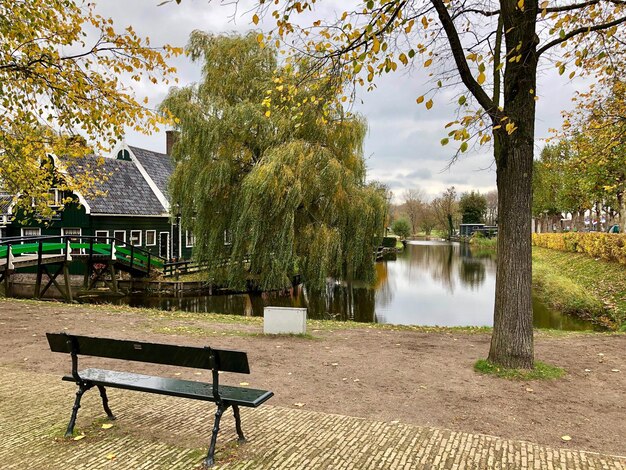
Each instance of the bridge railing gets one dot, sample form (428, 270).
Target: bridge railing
(86, 245)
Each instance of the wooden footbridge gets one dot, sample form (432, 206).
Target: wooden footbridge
(51, 256)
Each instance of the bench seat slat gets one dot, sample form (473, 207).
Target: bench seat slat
(249, 397)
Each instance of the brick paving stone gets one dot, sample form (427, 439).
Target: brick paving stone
(34, 409)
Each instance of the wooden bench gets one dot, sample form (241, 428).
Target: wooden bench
(215, 360)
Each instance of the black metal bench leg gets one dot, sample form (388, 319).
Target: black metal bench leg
(105, 402)
(208, 462)
(79, 394)
(242, 438)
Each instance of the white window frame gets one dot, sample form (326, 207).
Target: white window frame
(55, 200)
(23, 230)
(228, 237)
(79, 235)
(154, 234)
(139, 237)
(115, 232)
(102, 233)
(189, 237)
(80, 231)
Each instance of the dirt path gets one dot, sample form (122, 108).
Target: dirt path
(423, 378)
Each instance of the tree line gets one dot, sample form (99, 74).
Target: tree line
(416, 214)
(583, 173)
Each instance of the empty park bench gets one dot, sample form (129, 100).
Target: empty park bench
(215, 360)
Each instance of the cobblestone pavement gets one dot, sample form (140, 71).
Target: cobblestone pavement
(155, 432)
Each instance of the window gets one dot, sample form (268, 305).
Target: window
(71, 231)
(135, 237)
(31, 232)
(190, 239)
(120, 235)
(55, 197)
(150, 237)
(102, 236)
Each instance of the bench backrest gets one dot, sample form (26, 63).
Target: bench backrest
(168, 354)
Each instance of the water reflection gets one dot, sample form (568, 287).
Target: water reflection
(430, 283)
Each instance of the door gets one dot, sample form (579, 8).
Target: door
(164, 245)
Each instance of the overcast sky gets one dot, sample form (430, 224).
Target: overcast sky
(402, 147)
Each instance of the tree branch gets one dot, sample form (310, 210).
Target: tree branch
(575, 6)
(581, 30)
(461, 62)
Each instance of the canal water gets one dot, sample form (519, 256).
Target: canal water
(434, 283)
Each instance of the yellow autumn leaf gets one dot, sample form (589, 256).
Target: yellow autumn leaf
(520, 5)
(107, 426)
(420, 99)
(79, 437)
(110, 456)
(243, 383)
(255, 19)
(481, 78)
(428, 62)
(429, 104)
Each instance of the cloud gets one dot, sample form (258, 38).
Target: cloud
(402, 148)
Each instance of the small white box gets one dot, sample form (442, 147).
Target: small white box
(284, 320)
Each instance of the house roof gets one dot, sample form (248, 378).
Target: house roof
(159, 166)
(125, 189)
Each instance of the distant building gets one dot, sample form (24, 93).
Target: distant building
(132, 204)
(467, 230)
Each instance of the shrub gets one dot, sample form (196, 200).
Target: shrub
(607, 246)
(402, 228)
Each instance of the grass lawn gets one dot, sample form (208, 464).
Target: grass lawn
(581, 285)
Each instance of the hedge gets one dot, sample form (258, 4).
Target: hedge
(607, 246)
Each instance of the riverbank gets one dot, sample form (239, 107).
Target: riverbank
(408, 375)
(577, 284)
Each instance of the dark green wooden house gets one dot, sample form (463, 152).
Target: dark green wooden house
(131, 204)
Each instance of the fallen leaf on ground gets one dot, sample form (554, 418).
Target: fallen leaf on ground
(334, 364)
(614, 370)
(107, 426)
(244, 383)
(78, 438)
(566, 438)
(528, 389)
(356, 380)
(587, 370)
(299, 404)
(110, 456)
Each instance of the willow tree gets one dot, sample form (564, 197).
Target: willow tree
(62, 90)
(270, 194)
(491, 51)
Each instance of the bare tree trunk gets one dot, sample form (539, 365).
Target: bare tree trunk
(512, 338)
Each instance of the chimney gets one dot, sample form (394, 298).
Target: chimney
(171, 137)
